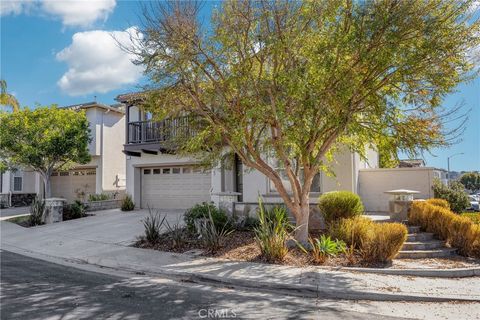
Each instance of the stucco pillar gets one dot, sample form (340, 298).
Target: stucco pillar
(54, 210)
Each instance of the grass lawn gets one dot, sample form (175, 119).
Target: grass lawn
(22, 220)
(474, 216)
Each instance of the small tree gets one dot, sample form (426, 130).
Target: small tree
(7, 99)
(471, 181)
(454, 193)
(284, 84)
(44, 139)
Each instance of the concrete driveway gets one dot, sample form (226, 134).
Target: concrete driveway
(13, 211)
(90, 234)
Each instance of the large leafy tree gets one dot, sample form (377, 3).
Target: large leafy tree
(471, 181)
(44, 139)
(7, 99)
(284, 84)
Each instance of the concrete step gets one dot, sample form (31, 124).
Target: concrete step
(413, 229)
(423, 245)
(425, 254)
(422, 236)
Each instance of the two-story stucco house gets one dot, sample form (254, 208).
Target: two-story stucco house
(158, 178)
(105, 173)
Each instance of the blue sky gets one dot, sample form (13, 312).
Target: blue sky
(58, 52)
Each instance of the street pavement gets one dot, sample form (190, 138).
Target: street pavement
(35, 289)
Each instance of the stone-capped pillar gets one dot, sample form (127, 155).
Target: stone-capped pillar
(225, 200)
(54, 210)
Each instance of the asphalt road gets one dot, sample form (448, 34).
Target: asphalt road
(35, 289)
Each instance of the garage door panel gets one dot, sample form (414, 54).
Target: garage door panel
(69, 184)
(174, 190)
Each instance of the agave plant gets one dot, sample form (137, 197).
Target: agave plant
(37, 212)
(325, 247)
(153, 224)
(211, 235)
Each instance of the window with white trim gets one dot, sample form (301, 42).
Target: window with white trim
(17, 183)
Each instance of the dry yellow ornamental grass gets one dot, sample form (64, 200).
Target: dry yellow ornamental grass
(460, 232)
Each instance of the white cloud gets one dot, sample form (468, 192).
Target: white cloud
(81, 13)
(97, 64)
(14, 7)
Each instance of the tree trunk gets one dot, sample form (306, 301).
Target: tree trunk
(48, 190)
(301, 231)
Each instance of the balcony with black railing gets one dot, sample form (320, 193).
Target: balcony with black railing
(156, 135)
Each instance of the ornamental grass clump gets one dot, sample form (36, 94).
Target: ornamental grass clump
(375, 242)
(337, 205)
(271, 233)
(386, 241)
(439, 202)
(458, 231)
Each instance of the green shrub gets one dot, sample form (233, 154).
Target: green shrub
(337, 205)
(212, 237)
(74, 211)
(271, 233)
(325, 247)
(127, 203)
(454, 194)
(153, 224)
(37, 212)
(98, 197)
(376, 242)
(203, 211)
(459, 231)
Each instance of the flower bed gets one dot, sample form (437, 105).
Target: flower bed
(355, 241)
(103, 204)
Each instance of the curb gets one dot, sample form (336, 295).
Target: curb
(301, 290)
(426, 273)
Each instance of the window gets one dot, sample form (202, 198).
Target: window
(17, 183)
(166, 171)
(286, 182)
(156, 171)
(175, 170)
(146, 171)
(187, 170)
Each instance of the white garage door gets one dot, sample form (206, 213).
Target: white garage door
(74, 184)
(174, 187)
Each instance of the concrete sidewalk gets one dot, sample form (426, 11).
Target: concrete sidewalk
(87, 241)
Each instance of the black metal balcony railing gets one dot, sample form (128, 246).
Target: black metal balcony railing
(159, 131)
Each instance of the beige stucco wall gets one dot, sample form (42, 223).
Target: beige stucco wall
(112, 158)
(374, 182)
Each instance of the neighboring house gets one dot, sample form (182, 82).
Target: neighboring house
(105, 173)
(19, 187)
(411, 163)
(157, 178)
